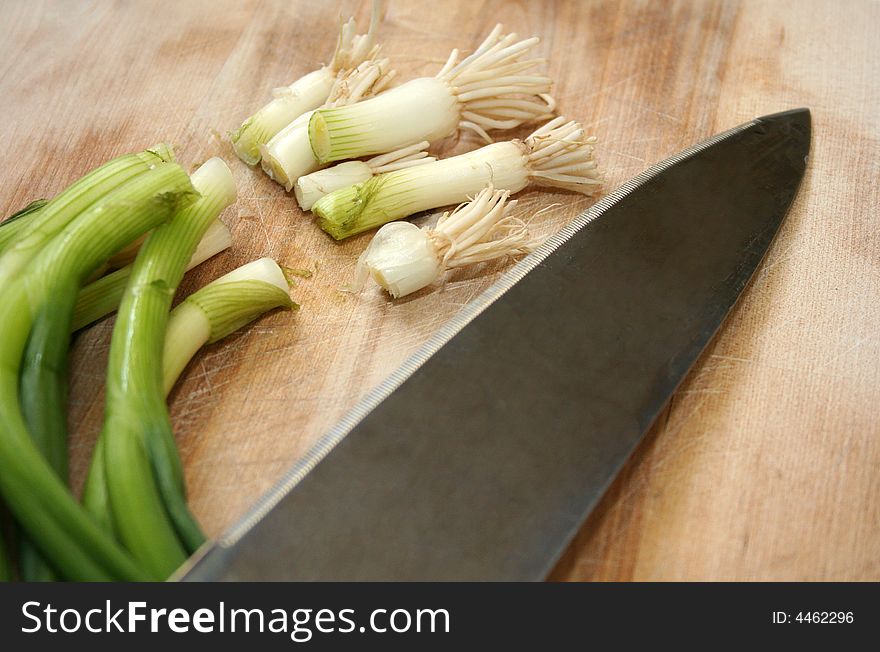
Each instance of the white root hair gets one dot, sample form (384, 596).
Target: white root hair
(561, 155)
(481, 230)
(368, 78)
(497, 88)
(405, 157)
(352, 49)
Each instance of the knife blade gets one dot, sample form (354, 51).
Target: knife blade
(482, 455)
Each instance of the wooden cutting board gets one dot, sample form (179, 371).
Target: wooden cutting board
(765, 466)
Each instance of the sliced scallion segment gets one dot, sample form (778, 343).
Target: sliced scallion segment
(493, 88)
(558, 154)
(311, 187)
(221, 308)
(289, 154)
(306, 93)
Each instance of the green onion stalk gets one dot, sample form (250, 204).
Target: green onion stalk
(306, 93)
(558, 155)
(206, 316)
(57, 213)
(100, 298)
(95, 301)
(71, 237)
(45, 424)
(288, 155)
(12, 226)
(219, 309)
(43, 390)
(493, 88)
(43, 386)
(136, 483)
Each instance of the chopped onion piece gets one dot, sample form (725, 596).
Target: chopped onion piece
(308, 92)
(288, 155)
(493, 88)
(402, 258)
(220, 308)
(558, 154)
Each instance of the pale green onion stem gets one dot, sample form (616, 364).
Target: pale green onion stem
(420, 109)
(219, 309)
(206, 316)
(558, 154)
(305, 94)
(100, 298)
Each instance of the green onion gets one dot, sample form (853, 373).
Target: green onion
(558, 155)
(91, 220)
(288, 155)
(43, 376)
(12, 226)
(144, 476)
(311, 187)
(219, 309)
(491, 89)
(402, 258)
(45, 371)
(306, 93)
(100, 298)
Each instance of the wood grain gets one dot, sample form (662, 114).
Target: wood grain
(765, 464)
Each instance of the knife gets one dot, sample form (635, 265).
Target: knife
(482, 455)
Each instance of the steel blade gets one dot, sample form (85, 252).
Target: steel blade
(481, 457)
